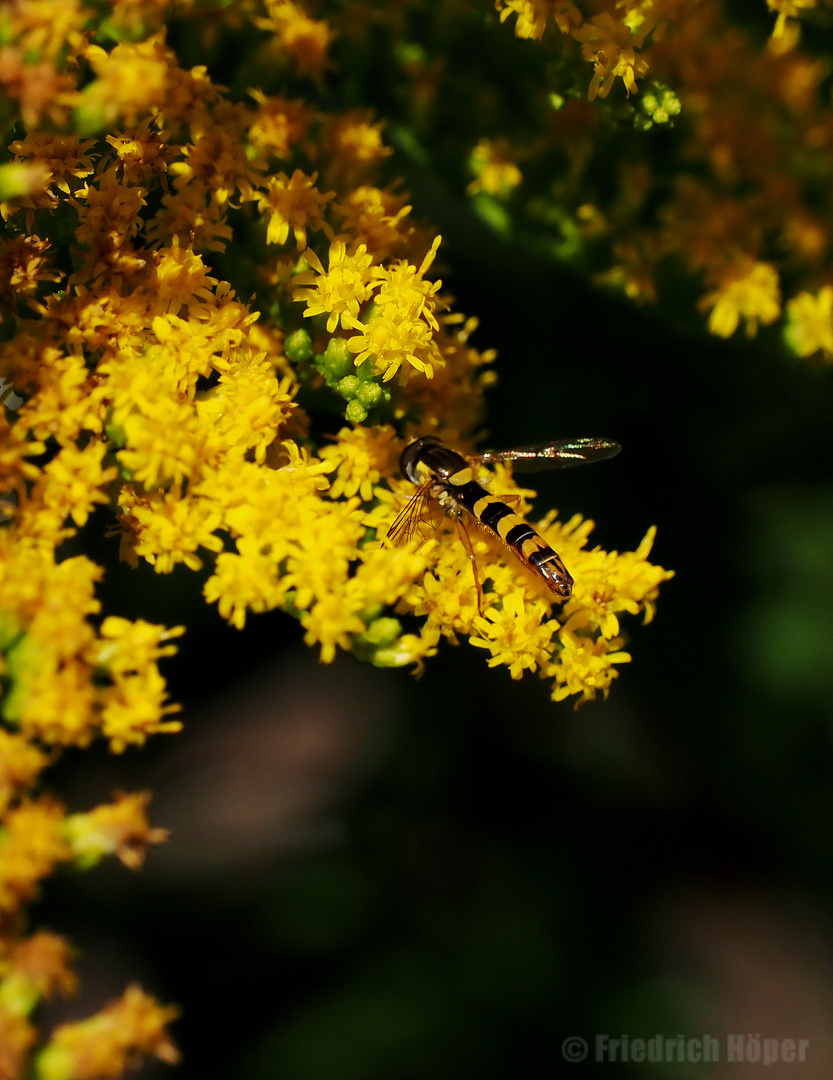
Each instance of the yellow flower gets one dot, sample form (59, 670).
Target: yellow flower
(181, 277)
(248, 405)
(120, 828)
(375, 218)
(405, 289)
(215, 160)
(532, 15)
(133, 707)
(361, 456)
(141, 155)
(67, 400)
(293, 203)
(105, 1045)
(786, 10)
(109, 217)
(52, 701)
(167, 529)
(17, 1037)
(495, 171)
(20, 764)
(331, 622)
(748, 290)
(126, 646)
(611, 48)
(339, 291)
(584, 666)
(402, 326)
(306, 40)
(810, 323)
(70, 485)
(354, 145)
(66, 157)
(141, 78)
(390, 339)
(30, 846)
(608, 584)
(245, 581)
(48, 599)
(518, 635)
(280, 123)
(24, 263)
(48, 27)
(34, 968)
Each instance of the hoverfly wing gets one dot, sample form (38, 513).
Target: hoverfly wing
(416, 516)
(553, 455)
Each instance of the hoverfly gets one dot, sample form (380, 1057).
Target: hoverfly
(443, 475)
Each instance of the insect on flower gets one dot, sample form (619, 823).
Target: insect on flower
(446, 478)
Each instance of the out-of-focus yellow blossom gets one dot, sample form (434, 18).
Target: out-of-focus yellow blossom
(354, 147)
(137, 79)
(292, 203)
(786, 10)
(133, 707)
(120, 828)
(280, 123)
(305, 39)
(532, 15)
(20, 764)
(17, 1037)
(495, 171)
(810, 323)
(612, 49)
(375, 219)
(747, 291)
(65, 157)
(23, 264)
(110, 1042)
(33, 968)
(31, 844)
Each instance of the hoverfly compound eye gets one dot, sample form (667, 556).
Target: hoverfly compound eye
(412, 454)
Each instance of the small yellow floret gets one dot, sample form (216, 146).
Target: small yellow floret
(340, 291)
(292, 203)
(107, 1044)
(120, 828)
(748, 290)
(611, 47)
(810, 323)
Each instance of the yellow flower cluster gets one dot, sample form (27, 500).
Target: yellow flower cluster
(577, 647)
(140, 204)
(748, 207)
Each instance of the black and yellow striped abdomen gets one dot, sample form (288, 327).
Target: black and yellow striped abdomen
(452, 479)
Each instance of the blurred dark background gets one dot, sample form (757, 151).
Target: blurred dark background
(376, 877)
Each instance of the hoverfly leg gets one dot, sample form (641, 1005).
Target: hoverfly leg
(467, 544)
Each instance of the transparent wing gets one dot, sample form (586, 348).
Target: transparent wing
(416, 516)
(553, 455)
